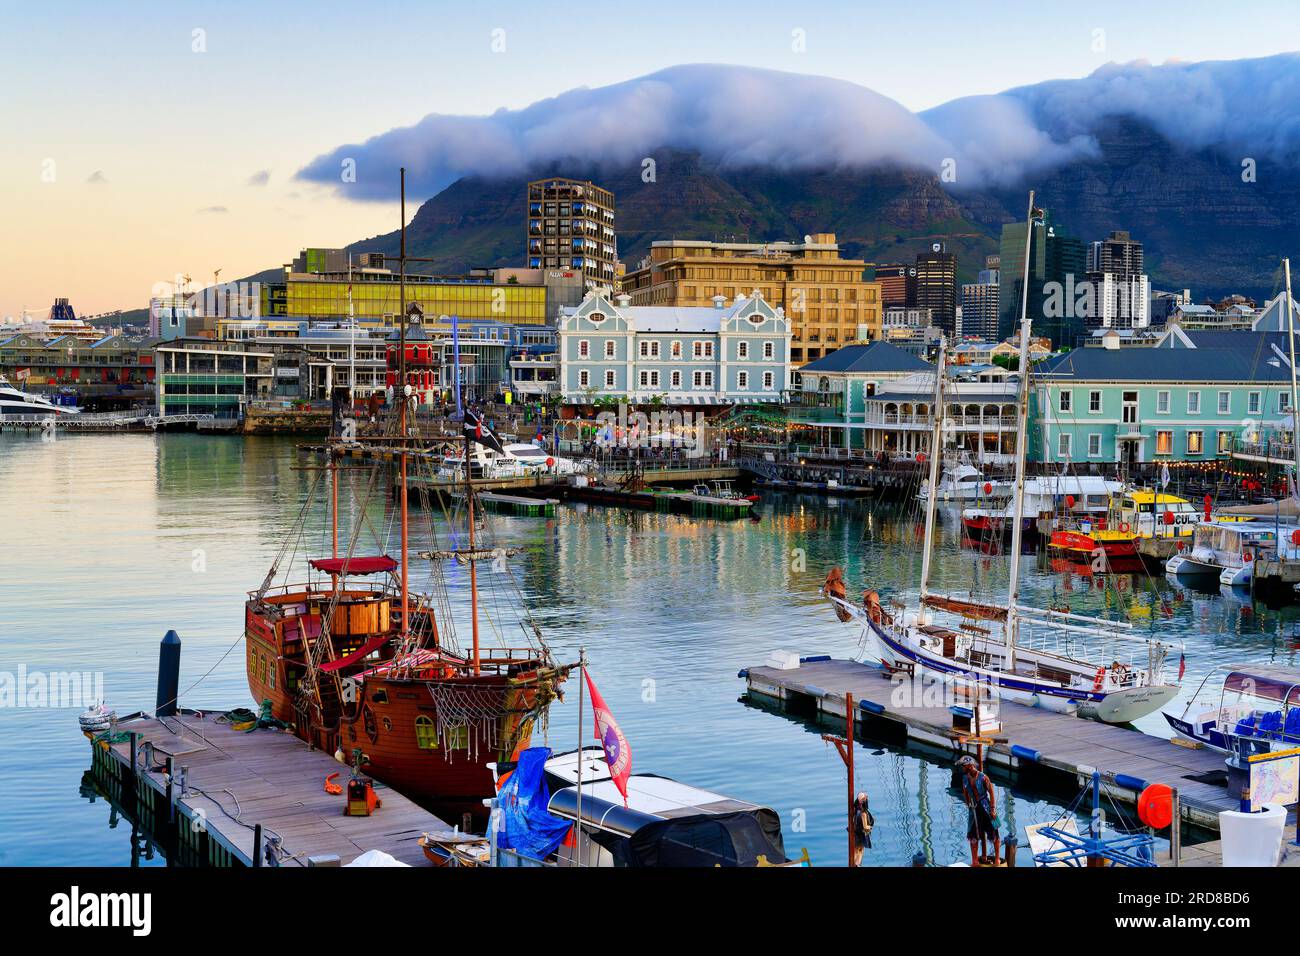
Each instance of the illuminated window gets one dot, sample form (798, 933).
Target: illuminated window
(1164, 443)
(1195, 443)
(426, 735)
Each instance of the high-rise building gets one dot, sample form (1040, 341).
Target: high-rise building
(1057, 264)
(825, 298)
(897, 285)
(936, 286)
(571, 226)
(1121, 290)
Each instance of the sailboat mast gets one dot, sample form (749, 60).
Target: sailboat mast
(473, 569)
(401, 397)
(1022, 422)
(1295, 411)
(936, 452)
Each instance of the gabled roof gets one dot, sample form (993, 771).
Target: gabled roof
(875, 357)
(1214, 357)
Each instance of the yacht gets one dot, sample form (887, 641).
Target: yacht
(517, 460)
(964, 482)
(19, 404)
(1227, 550)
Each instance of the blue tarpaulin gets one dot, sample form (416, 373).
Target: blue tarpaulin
(527, 827)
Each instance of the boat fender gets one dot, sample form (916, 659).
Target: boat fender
(1100, 679)
(871, 707)
(1026, 753)
(743, 673)
(1130, 782)
(814, 659)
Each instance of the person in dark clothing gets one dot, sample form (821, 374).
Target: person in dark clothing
(981, 807)
(863, 824)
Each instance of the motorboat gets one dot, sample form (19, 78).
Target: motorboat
(15, 403)
(965, 482)
(515, 460)
(1253, 706)
(1227, 550)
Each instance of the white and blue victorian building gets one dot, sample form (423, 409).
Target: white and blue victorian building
(726, 354)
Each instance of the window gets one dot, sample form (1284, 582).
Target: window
(677, 378)
(1253, 403)
(645, 349)
(609, 378)
(1064, 443)
(1196, 443)
(1225, 400)
(1164, 443)
(584, 348)
(1162, 402)
(768, 380)
(1094, 401)
(426, 734)
(703, 349)
(1066, 401)
(1193, 403)
(697, 379)
(1283, 401)
(676, 350)
(1094, 445)
(1225, 443)
(649, 378)
(769, 350)
(742, 379)
(584, 378)
(708, 379)
(742, 350)
(609, 348)
(698, 349)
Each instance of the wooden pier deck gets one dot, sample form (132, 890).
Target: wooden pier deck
(1065, 746)
(239, 781)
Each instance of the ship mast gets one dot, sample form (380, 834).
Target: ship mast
(1022, 420)
(936, 452)
(469, 507)
(401, 397)
(1295, 411)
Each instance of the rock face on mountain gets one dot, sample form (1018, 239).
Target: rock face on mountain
(1204, 225)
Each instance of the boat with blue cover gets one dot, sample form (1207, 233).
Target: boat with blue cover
(1258, 707)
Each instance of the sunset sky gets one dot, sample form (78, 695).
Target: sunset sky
(143, 140)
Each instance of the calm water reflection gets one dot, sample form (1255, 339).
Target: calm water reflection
(111, 540)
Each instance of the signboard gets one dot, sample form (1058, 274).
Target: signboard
(1275, 778)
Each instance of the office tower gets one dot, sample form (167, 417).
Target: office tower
(571, 226)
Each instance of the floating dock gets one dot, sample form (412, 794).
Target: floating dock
(667, 500)
(1030, 739)
(514, 504)
(236, 798)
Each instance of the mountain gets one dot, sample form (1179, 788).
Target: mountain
(1203, 228)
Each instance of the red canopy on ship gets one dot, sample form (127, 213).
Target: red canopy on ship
(372, 565)
(372, 645)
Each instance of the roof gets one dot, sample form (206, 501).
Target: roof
(875, 357)
(684, 318)
(1215, 357)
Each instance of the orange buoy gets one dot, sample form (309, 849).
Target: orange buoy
(1156, 806)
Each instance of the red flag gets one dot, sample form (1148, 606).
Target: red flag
(617, 752)
(1182, 665)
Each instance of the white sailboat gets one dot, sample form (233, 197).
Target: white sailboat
(1091, 667)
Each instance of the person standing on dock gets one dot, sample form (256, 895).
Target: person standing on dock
(981, 806)
(863, 823)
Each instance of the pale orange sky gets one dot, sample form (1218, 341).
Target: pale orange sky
(148, 134)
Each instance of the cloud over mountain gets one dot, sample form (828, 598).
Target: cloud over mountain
(738, 116)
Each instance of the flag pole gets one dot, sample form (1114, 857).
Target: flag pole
(582, 687)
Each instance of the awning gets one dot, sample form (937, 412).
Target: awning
(369, 647)
(370, 565)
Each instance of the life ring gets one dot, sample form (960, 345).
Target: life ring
(1099, 681)
(1123, 527)
(1248, 556)
(333, 788)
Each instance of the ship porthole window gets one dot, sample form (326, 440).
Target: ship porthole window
(388, 724)
(426, 734)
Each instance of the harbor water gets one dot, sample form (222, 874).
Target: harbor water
(112, 540)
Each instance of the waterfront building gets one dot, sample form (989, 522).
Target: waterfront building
(320, 285)
(897, 285)
(1057, 262)
(679, 355)
(824, 296)
(834, 390)
(571, 227)
(109, 373)
(979, 306)
(936, 286)
(1121, 289)
(200, 376)
(905, 317)
(1190, 398)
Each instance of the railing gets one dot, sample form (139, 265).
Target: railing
(1275, 449)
